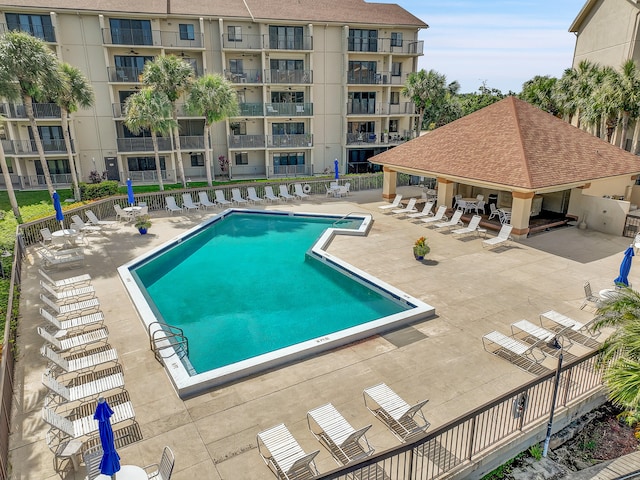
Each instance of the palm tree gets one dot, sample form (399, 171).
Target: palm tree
(604, 104)
(627, 95)
(214, 98)
(424, 89)
(539, 92)
(564, 95)
(620, 353)
(77, 92)
(150, 109)
(34, 68)
(172, 76)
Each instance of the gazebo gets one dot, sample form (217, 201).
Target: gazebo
(525, 159)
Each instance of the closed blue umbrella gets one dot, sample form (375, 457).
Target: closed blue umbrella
(110, 463)
(132, 200)
(625, 267)
(58, 208)
(336, 168)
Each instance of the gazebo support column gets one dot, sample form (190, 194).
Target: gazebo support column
(389, 181)
(445, 192)
(521, 213)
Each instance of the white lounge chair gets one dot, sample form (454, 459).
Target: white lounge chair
(504, 235)
(236, 197)
(162, 470)
(269, 195)
(70, 295)
(65, 343)
(187, 202)
(299, 192)
(220, 200)
(455, 220)
(94, 220)
(73, 323)
(583, 333)
(551, 343)
(284, 455)
(75, 364)
(204, 200)
(332, 430)
(519, 353)
(425, 212)
(79, 225)
(82, 388)
(404, 420)
(395, 204)
(252, 196)
(171, 205)
(86, 425)
(284, 193)
(60, 257)
(410, 208)
(66, 283)
(439, 215)
(474, 223)
(72, 309)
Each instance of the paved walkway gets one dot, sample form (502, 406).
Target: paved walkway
(474, 291)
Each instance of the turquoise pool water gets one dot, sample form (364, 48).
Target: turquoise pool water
(244, 286)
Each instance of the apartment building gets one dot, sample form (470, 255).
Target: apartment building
(316, 81)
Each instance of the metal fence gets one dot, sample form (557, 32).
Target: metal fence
(467, 439)
(8, 358)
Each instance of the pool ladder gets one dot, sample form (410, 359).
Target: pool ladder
(167, 341)
(344, 217)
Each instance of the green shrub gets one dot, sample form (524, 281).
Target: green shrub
(535, 451)
(93, 191)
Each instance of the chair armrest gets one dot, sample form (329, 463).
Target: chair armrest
(151, 469)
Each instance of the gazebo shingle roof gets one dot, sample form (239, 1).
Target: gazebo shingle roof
(515, 144)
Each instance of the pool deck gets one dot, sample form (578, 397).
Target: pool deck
(213, 435)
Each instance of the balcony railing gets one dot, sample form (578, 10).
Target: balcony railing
(124, 74)
(44, 33)
(385, 45)
(289, 109)
(246, 76)
(289, 76)
(286, 42)
(242, 42)
(172, 39)
(192, 142)
(375, 78)
(246, 141)
(378, 108)
(143, 144)
(290, 170)
(17, 147)
(251, 110)
(379, 139)
(404, 107)
(130, 36)
(40, 110)
(290, 141)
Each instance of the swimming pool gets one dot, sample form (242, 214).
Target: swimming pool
(260, 290)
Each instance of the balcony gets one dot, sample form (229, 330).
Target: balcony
(246, 76)
(251, 110)
(40, 110)
(386, 45)
(246, 141)
(242, 42)
(290, 141)
(137, 37)
(289, 76)
(49, 145)
(356, 77)
(288, 42)
(143, 144)
(173, 40)
(192, 142)
(124, 74)
(289, 109)
(378, 108)
(408, 108)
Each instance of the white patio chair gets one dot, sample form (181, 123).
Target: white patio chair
(474, 223)
(47, 238)
(590, 298)
(171, 205)
(410, 208)
(220, 200)
(73, 323)
(72, 309)
(122, 215)
(82, 388)
(78, 224)
(76, 364)
(187, 202)
(504, 235)
(284, 193)
(456, 199)
(66, 283)
(66, 343)
(236, 197)
(505, 217)
(252, 196)
(162, 470)
(493, 211)
(284, 455)
(297, 189)
(395, 204)
(69, 295)
(455, 220)
(269, 195)
(204, 200)
(439, 215)
(94, 220)
(479, 208)
(519, 353)
(60, 257)
(425, 212)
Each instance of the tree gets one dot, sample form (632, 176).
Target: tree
(34, 68)
(619, 355)
(425, 89)
(76, 92)
(602, 107)
(564, 95)
(214, 98)
(470, 102)
(151, 110)
(627, 96)
(173, 77)
(539, 92)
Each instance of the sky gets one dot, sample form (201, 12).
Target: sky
(501, 43)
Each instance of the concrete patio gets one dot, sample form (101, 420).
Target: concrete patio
(213, 435)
